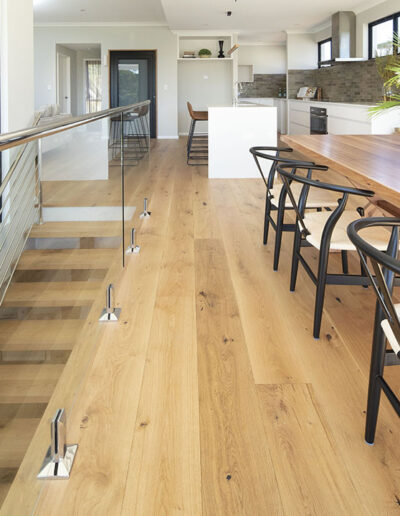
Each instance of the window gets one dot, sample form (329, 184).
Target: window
(324, 52)
(93, 85)
(381, 36)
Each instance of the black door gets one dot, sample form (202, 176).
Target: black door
(133, 79)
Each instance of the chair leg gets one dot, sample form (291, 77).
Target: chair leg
(190, 140)
(266, 218)
(345, 262)
(295, 259)
(363, 272)
(278, 234)
(376, 370)
(321, 284)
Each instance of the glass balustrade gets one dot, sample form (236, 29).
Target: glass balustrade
(67, 203)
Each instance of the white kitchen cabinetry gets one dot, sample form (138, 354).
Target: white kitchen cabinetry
(280, 104)
(342, 118)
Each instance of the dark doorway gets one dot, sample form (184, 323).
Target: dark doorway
(133, 79)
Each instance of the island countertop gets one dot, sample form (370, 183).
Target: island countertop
(231, 133)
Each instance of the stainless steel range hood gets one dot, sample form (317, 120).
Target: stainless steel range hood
(344, 37)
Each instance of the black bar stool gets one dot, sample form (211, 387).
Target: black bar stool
(385, 266)
(197, 144)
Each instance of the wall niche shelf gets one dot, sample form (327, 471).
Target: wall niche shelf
(195, 42)
(190, 59)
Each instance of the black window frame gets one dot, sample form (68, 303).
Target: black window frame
(395, 17)
(320, 43)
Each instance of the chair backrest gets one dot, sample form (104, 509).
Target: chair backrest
(289, 174)
(385, 266)
(190, 109)
(272, 154)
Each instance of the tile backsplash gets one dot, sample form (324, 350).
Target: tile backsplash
(342, 82)
(264, 85)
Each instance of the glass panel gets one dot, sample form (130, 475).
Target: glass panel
(49, 320)
(382, 39)
(326, 51)
(132, 81)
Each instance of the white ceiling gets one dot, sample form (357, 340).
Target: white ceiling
(106, 11)
(256, 21)
(262, 16)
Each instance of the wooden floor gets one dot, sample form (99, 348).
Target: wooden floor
(211, 396)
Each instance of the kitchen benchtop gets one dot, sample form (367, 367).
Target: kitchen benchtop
(332, 103)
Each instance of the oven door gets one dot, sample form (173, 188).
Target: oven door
(318, 124)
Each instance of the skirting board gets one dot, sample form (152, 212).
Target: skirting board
(176, 137)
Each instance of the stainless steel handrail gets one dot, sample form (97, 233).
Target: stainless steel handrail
(13, 139)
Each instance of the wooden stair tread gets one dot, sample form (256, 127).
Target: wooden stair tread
(55, 294)
(15, 437)
(57, 259)
(28, 383)
(57, 334)
(76, 229)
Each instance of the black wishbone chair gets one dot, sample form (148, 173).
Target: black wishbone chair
(385, 267)
(326, 232)
(275, 200)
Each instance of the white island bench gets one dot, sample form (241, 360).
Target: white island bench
(232, 130)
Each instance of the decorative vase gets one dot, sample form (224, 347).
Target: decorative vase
(221, 54)
(205, 56)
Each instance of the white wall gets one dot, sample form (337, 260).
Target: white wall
(322, 34)
(112, 38)
(302, 51)
(204, 84)
(266, 59)
(16, 64)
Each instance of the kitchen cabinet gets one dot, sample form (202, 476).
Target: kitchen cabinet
(343, 118)
(279, 103)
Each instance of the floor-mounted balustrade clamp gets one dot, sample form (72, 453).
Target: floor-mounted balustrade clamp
(133, 248)
(145, 213)
(60, 457)
(110, 313)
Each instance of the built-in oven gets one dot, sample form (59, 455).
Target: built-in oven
(318, 121)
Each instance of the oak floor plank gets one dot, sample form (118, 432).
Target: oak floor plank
(167, 424)
(272, 349)
(236, 478)
(311, 476)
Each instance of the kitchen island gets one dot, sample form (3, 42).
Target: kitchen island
(232, 130)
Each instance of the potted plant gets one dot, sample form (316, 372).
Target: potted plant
(391, 74)
(204, 52)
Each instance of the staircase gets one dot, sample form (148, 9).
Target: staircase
(57, 278)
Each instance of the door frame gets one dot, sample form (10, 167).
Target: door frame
(153, 51)
(68, 80)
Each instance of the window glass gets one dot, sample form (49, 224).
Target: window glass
(382, 39)
(326, 51)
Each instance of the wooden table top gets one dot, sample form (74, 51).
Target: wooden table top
(369, 161)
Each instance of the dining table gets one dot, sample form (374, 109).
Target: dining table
(367, 161)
